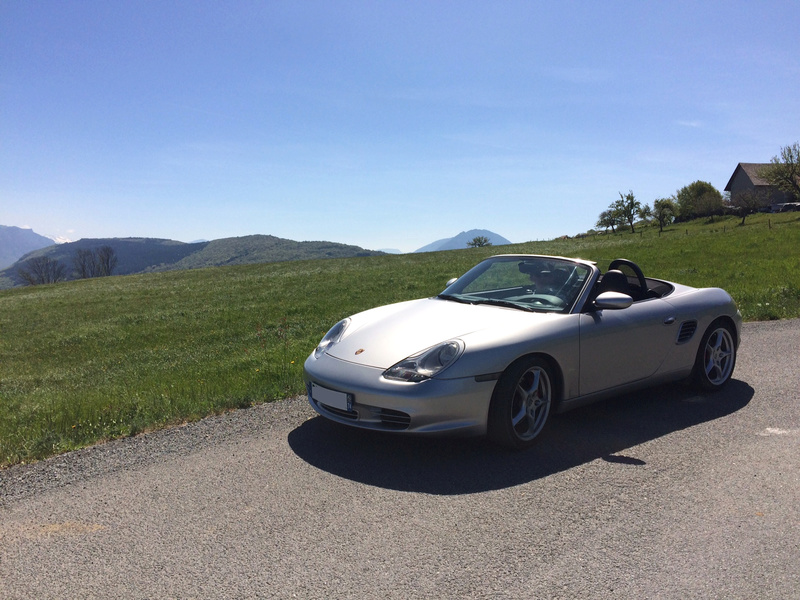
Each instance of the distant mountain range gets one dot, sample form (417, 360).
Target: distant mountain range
(18, 246)
(16, 242)
(147, 255)
(462, 239)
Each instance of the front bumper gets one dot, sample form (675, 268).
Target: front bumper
(434, 406)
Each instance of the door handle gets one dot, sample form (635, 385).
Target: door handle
(669, 320)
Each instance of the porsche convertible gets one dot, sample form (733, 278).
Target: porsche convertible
(515, 339)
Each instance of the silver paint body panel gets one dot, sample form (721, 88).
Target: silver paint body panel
(597, 352)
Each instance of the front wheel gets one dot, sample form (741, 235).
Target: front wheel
(521, 403)
(716, 357)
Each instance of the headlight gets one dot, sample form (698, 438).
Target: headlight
(427, 363)
(332, 337)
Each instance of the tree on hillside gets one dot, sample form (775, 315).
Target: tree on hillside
(663, 212)
(479, 242)
(628, 208)
(83, 262)
(747, 202)
(645, 213)
(698, 199)
(94, 263)
(42, 270)
(106, 261)
(608, 218)
(783, 172)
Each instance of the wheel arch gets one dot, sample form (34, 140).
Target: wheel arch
(705, 364)
(726, 320)
(555, 368)
(513, 406)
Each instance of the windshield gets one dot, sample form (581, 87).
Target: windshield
(536, 283)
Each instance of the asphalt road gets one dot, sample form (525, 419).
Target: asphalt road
(662, 494)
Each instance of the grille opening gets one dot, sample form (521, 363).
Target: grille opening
(394, 419)
(687, 331)
(371, 416)
(347, 414)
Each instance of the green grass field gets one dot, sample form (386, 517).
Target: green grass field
(96, 359)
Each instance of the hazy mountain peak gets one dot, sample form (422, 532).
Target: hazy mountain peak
(16, 242)
(460, 241)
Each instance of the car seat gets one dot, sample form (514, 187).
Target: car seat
(614, 281)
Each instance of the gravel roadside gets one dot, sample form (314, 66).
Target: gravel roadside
(22, 481)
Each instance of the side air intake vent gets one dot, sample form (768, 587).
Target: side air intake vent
(688, 329)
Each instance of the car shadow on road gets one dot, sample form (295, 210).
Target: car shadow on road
(448, 466)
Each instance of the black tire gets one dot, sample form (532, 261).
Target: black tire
(716, 357)
(521, 403)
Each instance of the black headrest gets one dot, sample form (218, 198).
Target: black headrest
(614, 281)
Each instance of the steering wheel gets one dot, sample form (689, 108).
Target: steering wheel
(623, 262)
(549, 300)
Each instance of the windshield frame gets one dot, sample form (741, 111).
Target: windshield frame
(568, 281)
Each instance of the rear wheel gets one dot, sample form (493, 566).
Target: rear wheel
(716, 357)
(521, 403)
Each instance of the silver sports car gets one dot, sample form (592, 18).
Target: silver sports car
(514, 339)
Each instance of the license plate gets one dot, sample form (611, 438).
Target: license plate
(330, 397)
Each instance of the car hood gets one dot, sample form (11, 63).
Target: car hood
(386, 335)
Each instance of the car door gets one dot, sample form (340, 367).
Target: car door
(619, 346)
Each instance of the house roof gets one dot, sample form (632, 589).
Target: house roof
(751, 170)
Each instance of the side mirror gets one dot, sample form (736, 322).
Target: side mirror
(450, 282)
(613, 300)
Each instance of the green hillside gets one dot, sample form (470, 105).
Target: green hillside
(94, 359)
(147, 255)
(262, 248)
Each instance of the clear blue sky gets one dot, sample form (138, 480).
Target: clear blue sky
(380, 124)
